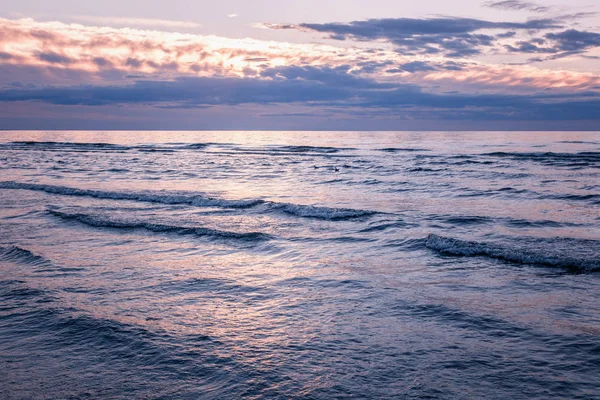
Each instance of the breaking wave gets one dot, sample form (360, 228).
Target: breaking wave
(574, 254)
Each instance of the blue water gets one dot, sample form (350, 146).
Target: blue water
(226, 265)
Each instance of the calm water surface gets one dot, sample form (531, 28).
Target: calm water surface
(186, 265)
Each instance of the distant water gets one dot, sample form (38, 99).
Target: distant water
(226, 265)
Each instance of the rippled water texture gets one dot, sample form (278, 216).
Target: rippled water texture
(257, 265)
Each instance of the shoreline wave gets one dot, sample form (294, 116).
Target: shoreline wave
(556, 252)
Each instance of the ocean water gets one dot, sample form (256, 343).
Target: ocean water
(300, 265)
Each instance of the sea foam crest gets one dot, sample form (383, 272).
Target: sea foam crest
(576, 254)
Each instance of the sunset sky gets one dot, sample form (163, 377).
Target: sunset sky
(294, 65)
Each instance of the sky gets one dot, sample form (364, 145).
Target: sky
(300, 65)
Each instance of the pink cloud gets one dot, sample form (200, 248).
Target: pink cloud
(56, 52)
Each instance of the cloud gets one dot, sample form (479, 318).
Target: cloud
(523, 79)
(62, 66)
(232, 15)
(278, 85)
(417, 66)
(336, 89)
(452, 37)
(427, 66)
(574, 40)
(336, 77)
(463, 37)
(517, 5)
(159, 53)
(136, 22)
(58, 53)
(559, 44)
(54, 58)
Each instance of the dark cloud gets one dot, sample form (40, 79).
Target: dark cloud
(516, 5)
(55, 58)
(286, 85)
(332, 88)
(417, 66)
(132, 62)
(370, 67)
(101, 62)
(506, 35)
(560, 44)
(528, 47)
(575, 16)
(334, 77)
(453, 66)
(453, 37)
(425, 66)
(393, 28)
(574, 40)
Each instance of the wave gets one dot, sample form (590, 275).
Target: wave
(578, 142)
(306, 149)
(594, 198)
(148, 196)
(324, 213)
(573, 254)
(197, 146)
(467, 220)
(78, 146)
(310, 151)
(385, 225)
(42, 265)
(298, 210)
(98, 221)
(18, 254)
(423, 169)
(585, 158)
(400, 149)
(64, 146)
(18, 291)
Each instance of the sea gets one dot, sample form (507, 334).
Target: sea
(299, 265)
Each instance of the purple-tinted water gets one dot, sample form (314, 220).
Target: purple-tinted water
(300, 265)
